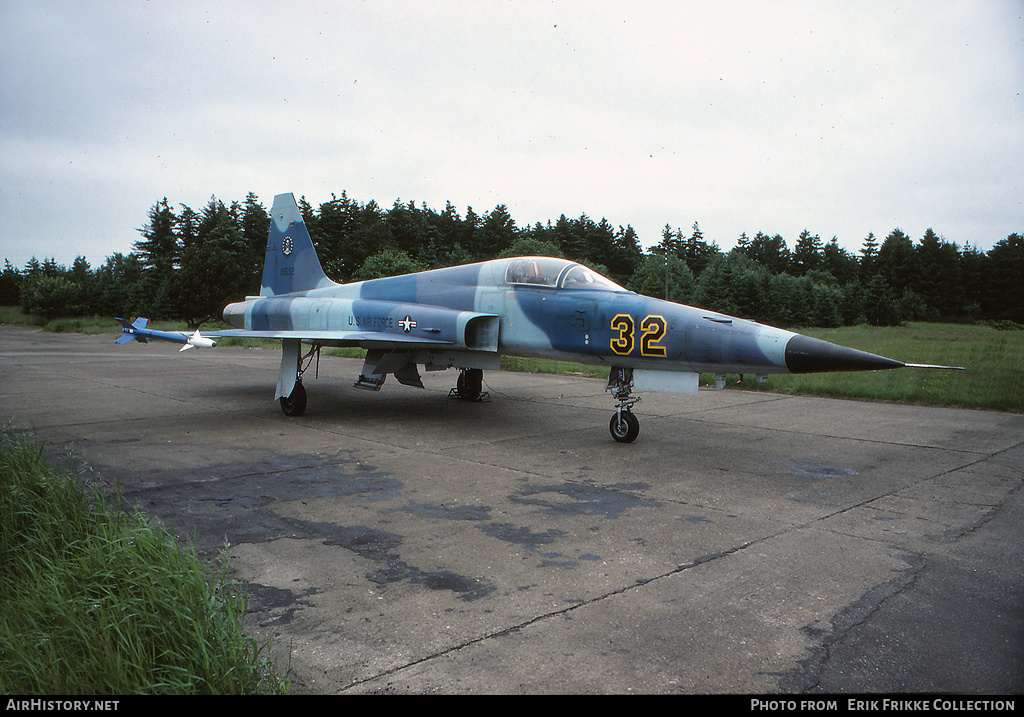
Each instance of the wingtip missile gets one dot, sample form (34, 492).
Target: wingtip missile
(198, 341)
(130, 332)
(137, 331)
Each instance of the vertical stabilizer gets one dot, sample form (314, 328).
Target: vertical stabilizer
(291, 264)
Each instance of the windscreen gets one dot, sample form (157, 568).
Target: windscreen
(545, 271)
(580, 277)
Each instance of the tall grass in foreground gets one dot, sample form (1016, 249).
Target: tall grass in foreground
(99, 601)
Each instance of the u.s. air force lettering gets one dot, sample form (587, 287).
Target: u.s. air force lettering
(371, 322)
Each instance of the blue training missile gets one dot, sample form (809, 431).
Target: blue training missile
(137, 331)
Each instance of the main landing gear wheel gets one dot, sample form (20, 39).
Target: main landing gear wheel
(295, 404)
(624, 426)
(470, 384)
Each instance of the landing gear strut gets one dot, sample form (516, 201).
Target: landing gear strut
(624, 426)
(294, 403)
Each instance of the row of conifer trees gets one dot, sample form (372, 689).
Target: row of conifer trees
(187, 264)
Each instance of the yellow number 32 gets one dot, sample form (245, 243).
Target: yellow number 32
(652, 330)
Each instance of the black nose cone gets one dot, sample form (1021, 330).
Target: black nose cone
(807, 355)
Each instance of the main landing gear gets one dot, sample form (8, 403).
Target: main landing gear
(624, 426)
(470, 385)
(294, 404)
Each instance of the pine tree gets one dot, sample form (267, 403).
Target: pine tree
(158, 248)
(255, 225)
(497, 232)
(869, 258)
(698, 252)
(806, 253)
(770, 252)
(1004, 298)
(626, 255)
(10, 284)
(897, 261)
(838, 262)
(664, 277)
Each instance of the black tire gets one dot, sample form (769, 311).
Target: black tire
(624, 427)
(295, 404)
(470, 384)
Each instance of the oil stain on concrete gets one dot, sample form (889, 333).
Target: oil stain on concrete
(237, 503)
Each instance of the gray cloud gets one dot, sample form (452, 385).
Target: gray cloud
(842, 118)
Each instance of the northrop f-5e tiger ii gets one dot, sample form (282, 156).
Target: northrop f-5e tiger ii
(467, 316)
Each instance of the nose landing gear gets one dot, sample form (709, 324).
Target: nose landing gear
(624, 426)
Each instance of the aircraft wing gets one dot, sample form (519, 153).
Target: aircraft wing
(386, 353)
(377, 339)
(334, 337)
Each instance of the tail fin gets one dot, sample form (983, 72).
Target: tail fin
(128, 331)
(291, 264)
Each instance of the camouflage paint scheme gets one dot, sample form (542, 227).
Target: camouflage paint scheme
(468, 316)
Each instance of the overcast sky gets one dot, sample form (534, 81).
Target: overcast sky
(843, 118)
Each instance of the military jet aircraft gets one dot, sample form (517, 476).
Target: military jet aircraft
(467, 316)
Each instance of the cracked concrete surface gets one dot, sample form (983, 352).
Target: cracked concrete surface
(401, 542)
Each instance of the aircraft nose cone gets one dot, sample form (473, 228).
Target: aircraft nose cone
(807, 355)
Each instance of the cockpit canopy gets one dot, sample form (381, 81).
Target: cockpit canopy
(556, 273)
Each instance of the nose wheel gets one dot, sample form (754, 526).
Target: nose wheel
(624, 426)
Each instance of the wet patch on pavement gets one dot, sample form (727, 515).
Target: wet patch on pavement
(585, 499)
(444, 512)
(532, 542)
(236, 503)
(805, 468)
(522, 536)
(273, 605)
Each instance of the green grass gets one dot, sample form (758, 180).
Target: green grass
(97, 600)
(13, 316)
(993, 359)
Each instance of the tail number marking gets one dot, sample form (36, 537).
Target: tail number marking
(652, 330)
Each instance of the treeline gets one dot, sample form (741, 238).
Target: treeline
(188, 265)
